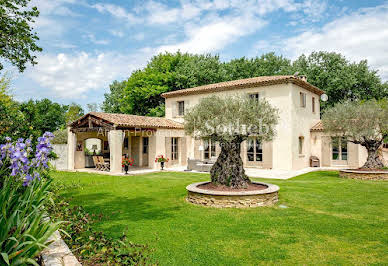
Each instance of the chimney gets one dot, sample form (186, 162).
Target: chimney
(303, 77)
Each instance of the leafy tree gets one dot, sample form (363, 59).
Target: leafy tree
(230, 121)
(17, 39)
(196, 70)
(266, 65)
(41, 116)
(112, 102)
(363, 123)
(11, 118)
(331, 72)
(340, 79)
(60, 137)
(92, 107)
(74, 111)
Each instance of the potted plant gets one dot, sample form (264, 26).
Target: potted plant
(161, 159)
(126, 163)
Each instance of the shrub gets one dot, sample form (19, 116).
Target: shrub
(89, 246)
(24, 191)
(60, 137)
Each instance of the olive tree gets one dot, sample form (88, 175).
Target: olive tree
(229, 121)
(364, 123)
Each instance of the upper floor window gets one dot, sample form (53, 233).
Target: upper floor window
(313, 104)
(301, 144)
(254, 96)
(181, 108)
(302, 96)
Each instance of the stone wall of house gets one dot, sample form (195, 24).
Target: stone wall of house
(61, 151)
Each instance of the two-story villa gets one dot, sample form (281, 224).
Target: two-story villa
(299, 132)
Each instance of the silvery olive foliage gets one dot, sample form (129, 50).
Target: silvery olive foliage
(361, 122)
(227, 118)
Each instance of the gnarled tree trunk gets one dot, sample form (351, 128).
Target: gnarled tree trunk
(228, 169)
(374, 160)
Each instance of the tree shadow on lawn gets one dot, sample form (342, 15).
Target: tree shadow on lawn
(121, 208)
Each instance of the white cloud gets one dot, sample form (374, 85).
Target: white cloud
(94, 40)
(117, 11)
(70, 76)
(215, 35)
(117, 33)
(161, 14)
(139, 36)
(360, 35)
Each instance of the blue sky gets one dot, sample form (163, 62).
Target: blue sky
(89, 43)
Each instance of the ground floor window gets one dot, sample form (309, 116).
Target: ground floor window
(145, 145)
(301, 143)
(209, 149)
(254, 150)
(174, 149)
(339, 148)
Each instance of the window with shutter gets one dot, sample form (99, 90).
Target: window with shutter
(302, 99)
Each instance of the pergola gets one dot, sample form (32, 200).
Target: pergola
(114, 129)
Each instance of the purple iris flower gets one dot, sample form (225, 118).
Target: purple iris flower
(16, 156)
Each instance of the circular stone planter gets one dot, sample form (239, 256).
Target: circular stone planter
(364, 175)
(235, 199)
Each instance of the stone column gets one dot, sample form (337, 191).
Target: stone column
(71, 143)
(115, 138)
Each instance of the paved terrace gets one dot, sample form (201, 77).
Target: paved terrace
(251, 172)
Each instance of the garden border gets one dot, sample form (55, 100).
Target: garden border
(232, 199)
(58, 253)
(364, 175)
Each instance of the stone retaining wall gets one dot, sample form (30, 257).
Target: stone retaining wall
(58, 253)
(363, 175)
(222, 199)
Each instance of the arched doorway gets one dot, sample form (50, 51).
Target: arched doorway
(93, 146)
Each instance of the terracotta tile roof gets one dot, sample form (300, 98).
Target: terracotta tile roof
(133, 121)
(317, 127)
(245, 83)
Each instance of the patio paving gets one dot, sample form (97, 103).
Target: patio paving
(251, 172)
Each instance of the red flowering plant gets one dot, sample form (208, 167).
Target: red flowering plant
(160, 159)
(127, 162)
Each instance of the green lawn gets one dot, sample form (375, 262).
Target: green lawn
(329, 220)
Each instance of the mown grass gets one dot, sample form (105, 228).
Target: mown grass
(328, 220)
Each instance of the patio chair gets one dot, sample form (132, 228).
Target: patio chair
(105, 166)
(96, 163)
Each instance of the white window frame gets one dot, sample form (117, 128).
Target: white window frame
(174, 149)
(257, 152)
(340, 151)
(209, 150)
(181, 108)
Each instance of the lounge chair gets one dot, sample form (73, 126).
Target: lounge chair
(96, 163)
(105, 166)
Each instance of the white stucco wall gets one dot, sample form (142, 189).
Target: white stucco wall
(294, 120)
(302, 120)
(62, 152)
